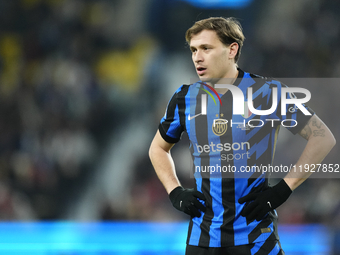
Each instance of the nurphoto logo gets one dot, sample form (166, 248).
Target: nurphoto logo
(239, 104)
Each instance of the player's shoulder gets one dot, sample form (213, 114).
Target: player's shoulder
(180, 92)
(181, 89)
(184, 88)
(271, 81)
(261, 77)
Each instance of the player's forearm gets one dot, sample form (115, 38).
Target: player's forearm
(320, 142)
(164, 167)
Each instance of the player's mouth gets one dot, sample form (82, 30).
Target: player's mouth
(201, 70)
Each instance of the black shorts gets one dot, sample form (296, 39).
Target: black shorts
(269, 247)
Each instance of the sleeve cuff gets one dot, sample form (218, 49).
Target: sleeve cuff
(167, 138)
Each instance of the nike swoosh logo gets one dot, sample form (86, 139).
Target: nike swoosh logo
(180, 204)
(192, 117)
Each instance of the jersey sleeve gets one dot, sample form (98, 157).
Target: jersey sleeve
(170, 126)
(294, 119)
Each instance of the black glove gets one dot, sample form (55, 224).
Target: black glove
(186, 200)
(265, 201)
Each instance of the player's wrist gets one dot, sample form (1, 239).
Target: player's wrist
(283, 190)
(293, 182)
(175, 192)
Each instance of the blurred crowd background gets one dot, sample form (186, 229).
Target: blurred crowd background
(84, 83)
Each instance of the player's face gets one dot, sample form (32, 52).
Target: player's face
(212, 59)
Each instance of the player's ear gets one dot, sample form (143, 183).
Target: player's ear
(233, 50)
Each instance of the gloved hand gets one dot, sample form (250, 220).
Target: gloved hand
(186, 200)
(265, 201)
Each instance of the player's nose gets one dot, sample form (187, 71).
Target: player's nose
(198, 57)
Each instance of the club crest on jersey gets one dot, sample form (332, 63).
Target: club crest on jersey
(247, 112)
(220, 126)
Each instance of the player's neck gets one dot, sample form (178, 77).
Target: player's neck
(229, 78)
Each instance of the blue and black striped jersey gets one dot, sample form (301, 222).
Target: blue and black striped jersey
(225, 149)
